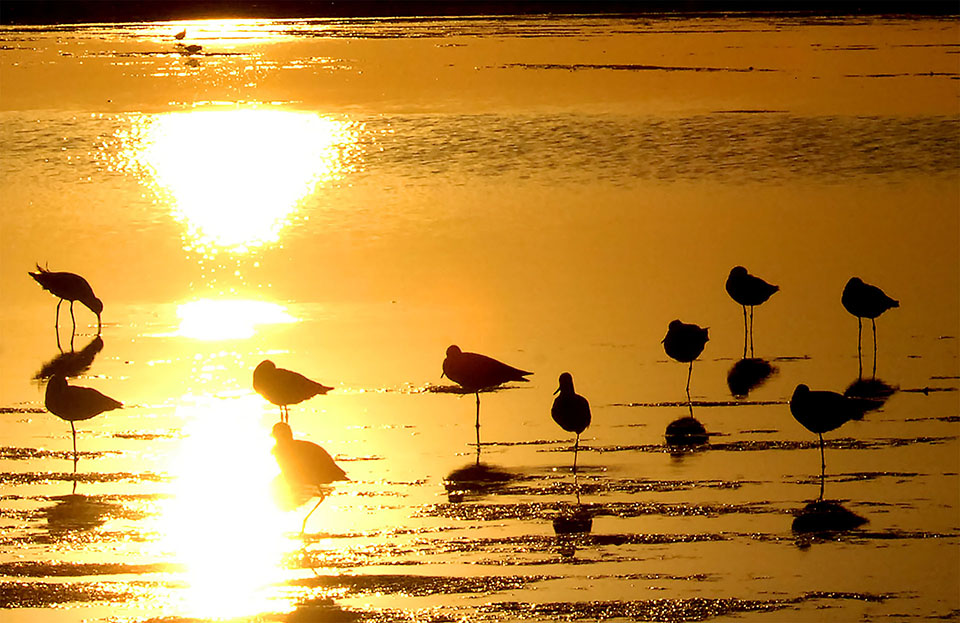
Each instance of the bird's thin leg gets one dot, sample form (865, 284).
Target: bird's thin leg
(689, 372)
(744, 331)
(859, 351)
(873, 321)
(576, 446)
(823, 464)
(576, 481)
(99, 324)
(478, 422)
(303, 527)
(751, 331)
(73, 430)
(56, 322)
(72, 319)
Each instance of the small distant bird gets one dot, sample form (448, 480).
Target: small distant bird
(284, 387)
(748, 291)
(180, 35)
(822, 411)
(571, 411)
(304, 465)
(866, 301)
(684, 342)
(474, 372)
(73, 404)
(68, 287)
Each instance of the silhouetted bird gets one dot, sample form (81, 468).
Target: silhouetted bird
(284, 387)
(68, 287)
(866, 301)
(304, 465)
(473, 372)
(749, 291)
(571, 411)
(73, 363)
(74, 404)
(685, 342)
(180, 35)
(822, 411)
(686, 431)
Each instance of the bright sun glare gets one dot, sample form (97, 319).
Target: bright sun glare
(227, 319)
(236, 177)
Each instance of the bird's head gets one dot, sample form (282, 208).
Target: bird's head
(264, 366)
(453, 350)
(96, 306)
(281, 432)
(738, 271)
(566, 383)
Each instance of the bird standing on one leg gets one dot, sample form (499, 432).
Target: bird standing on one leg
(822, 411)
(68, 287)
(304, 465)
(684, 342)
(571, 411)
(474, 372)
(748, 291)
(866, 301)
(74, 404)
(284, 387)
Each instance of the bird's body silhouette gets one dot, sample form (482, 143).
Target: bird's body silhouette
(748, 291)
(823, 411)
(866, 301)
(180, 35)
(68, 287)
(75, 404)
(284, 387)
(571, 411)
(304, 464)
(474, 372)
(684, 342)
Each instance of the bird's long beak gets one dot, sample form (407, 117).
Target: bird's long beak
(441, 374)
(556, 392)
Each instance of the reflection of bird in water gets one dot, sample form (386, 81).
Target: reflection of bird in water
(684, 342)
(822, 411)
(686, 431)
(824, 516)
(474, 372)
(749, 291)
(73, 363)
(180, 35)
(304, 465)
(748, 374)
(68, 287)
(876, 390)
(475, 480)
(866, 301)
(284, 387)
(571, 411)
(74, 404)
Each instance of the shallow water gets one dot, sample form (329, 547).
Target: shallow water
(349, 197)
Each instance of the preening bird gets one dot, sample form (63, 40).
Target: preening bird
(284, 387)
(571, 411)
(748, 291)
(474, 372)
(68, 287)
(304, 464)
(74, 404)
(684, 342)
(866, 301)
(823, 411)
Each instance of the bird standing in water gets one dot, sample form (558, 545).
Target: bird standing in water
(748, 291)
(571, 411)
(75, 404)
(284, 387)
(474, 372)
(684, 342)
(866, 301)
(305, 465)
(68, 287)
(823, 411)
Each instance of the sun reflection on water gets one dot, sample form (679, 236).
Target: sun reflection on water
(221, 523)
(228, 319)
(236, 177)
